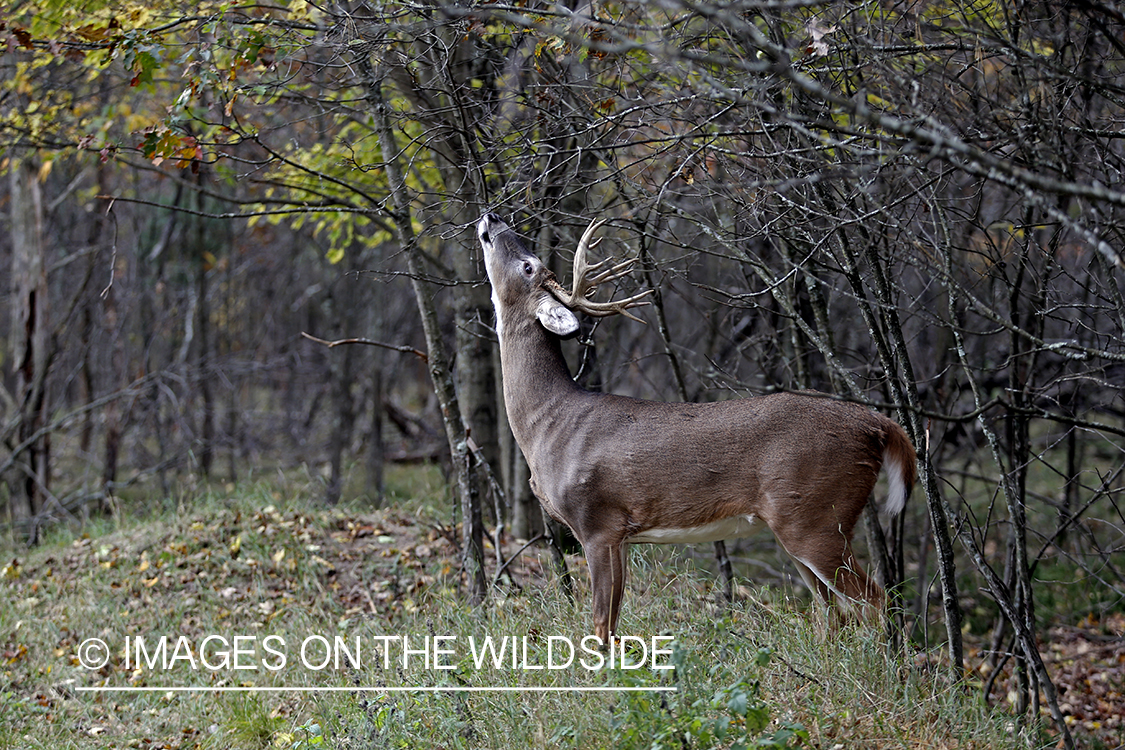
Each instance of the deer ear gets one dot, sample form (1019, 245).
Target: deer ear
(556, 317)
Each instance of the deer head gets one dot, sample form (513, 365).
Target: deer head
(522, 279)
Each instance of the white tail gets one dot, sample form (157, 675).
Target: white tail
(620, 470)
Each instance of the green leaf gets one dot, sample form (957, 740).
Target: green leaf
(738, 703)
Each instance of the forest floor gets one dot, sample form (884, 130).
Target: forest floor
(253, 564)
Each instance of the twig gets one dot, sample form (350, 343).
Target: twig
(113, 258)
(370, 342)
(538, 538)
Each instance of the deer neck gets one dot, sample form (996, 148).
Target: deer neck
(537, 381)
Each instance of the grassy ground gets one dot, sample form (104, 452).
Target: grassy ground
(279, 572)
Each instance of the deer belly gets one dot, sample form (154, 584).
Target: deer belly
(725, 528)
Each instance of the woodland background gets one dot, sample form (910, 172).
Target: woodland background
(917, 205)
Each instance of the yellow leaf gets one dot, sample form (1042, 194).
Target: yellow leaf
(12, 570)
(235, 546)
(143, 566)
(278, 556)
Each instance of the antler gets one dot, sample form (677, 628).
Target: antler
(586, 280)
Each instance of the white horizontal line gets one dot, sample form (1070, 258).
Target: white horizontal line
(339, 689)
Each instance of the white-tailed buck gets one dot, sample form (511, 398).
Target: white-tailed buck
(620, 470)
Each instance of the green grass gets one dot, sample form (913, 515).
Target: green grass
(260, 560)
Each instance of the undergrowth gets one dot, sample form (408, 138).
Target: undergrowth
(379, 591)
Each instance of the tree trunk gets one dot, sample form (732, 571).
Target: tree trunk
(377, 454)
(475, 373)
(115, 337)
(344, 419)
(344, 320)
(232, 435)
(376, 447)
(113, 408)
(441, 373)
(30, 342)
(204, 260)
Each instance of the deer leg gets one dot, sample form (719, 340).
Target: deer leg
(811, 580)
(865, 598)
(829, 561)
(607, 579)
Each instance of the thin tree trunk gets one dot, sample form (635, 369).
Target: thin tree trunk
(113, 408)
(904, 389)
(232, 439)
(30, 341)
(1020, 619)
(343, 410)
(342, 365)
(377, 454)
(377, 449)
(203, 335)
(441, 373)
(116, 340)
(86, 378)
(475, 376)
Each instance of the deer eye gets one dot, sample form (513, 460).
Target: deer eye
(528, 269)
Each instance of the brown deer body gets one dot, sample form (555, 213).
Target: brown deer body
(620, 470)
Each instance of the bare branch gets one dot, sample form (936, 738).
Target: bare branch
(369, 342)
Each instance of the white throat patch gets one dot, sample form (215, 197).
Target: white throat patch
(496, 311)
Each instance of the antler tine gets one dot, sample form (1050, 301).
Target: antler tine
(579, 287)
(595, 225)
(584, 282)
(616, 272)
(618, 307)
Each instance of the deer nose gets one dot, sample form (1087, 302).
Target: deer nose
(484, 226)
